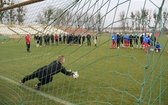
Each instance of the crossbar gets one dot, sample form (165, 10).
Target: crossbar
(20, 4)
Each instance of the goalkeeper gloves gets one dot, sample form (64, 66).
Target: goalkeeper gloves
(75, 75)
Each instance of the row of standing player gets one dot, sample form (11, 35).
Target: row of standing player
(126, 40)
(65, 39)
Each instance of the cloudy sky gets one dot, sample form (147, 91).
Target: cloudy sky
(109, 8)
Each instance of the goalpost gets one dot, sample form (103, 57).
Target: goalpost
(106, 76)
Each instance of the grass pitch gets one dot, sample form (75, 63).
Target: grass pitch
(107, 76)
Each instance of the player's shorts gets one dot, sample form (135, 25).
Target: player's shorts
(146, 44)
(126, 42)
(113, 43)
(143, 43)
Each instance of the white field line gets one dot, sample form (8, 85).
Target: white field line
(17, 59)
(38, 92)
(22, 58)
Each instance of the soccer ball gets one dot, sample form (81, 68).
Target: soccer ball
(75, 75)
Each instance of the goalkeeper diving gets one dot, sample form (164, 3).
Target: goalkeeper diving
(45, 73)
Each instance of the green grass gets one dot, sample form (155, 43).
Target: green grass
(107, 76)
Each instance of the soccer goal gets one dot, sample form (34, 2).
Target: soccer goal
(119, 48)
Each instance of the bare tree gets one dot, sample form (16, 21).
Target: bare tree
(21, 12)
(68, 18)
(10, 15)
(13, 15)
(58, 18)
(127, 24)
(62, 18)
(133, 20)
(155, 17)
(2, 3)
(92, 23)
(86, 21)
(149, 18)
(46, 16)
(137, 19)
(122, 18)
(78, 21)
(144, 14)
(165, 18)
(40, 19)
(98, 21)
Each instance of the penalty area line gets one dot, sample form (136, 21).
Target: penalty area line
(38, 92)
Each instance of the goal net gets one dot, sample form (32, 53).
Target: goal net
(103, 40)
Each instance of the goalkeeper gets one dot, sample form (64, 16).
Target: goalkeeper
(45, 73)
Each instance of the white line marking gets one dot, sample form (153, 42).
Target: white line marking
(8, 60)
(38, 92)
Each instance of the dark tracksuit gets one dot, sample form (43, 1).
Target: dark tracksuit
(88, 39)
(83, 39)
(130, 40)
(45, 73)
(118, 40)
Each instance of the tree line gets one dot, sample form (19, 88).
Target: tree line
(142, 19)
(77, 20)
(136, 20)
(49, 16)
(12, 16)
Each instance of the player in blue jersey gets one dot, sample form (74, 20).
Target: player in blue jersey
(114, 40)
(146, 40)
(157, 47)
(126, 40)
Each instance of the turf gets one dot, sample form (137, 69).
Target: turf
(107, 76)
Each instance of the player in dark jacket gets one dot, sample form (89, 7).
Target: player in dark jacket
(136, 38)
(118, 41)
(83, 39)
(88, 39)
(130, 41)
(52, 39)
(45, 73)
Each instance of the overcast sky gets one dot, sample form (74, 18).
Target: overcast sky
(108, 6)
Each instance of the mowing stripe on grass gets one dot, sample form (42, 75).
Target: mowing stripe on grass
(38, 92)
